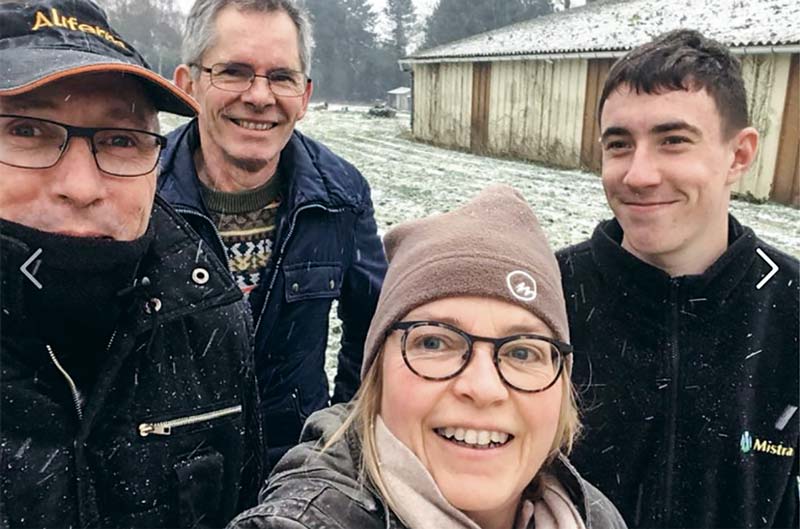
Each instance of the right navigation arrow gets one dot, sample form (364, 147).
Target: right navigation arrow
(771, 264)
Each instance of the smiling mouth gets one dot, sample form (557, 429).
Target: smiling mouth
(253, 125)
(477, 439)
(648, 204)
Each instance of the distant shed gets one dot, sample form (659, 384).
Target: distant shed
(400, 98)
(531, 90)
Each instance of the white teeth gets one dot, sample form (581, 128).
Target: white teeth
(499, 437)
(253, 125)
(484, 437)
(474, 437)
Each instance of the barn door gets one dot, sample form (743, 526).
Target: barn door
(481, 80)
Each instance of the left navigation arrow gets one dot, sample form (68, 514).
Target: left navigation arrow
(27, 273)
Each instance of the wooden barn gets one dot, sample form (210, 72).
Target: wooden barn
(531, 90)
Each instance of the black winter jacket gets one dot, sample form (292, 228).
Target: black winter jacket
(326, 248)
(186, 358)
(690, 384)
(309, 490)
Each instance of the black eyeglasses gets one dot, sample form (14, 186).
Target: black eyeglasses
(236, 77)
(33, 143)
(438, 351)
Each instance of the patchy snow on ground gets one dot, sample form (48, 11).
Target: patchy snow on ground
(411, 180)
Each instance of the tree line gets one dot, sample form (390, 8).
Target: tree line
(357, 48)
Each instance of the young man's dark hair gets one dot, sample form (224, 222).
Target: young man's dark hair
(684, 60)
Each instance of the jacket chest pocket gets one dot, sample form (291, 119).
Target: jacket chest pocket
(312, 281)
(179, 472)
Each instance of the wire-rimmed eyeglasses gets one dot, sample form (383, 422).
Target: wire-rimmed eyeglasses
(34, 143)
(236, 77)
(435, 350)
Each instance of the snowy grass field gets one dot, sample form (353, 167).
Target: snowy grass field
(410, 180)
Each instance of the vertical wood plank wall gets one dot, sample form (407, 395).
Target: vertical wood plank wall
(544, 111)
(536, 110)
(591, 153)
(442, 103)
(786, 186)
(766, 78)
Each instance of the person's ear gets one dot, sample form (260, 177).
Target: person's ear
(183, 78)
(745, 148)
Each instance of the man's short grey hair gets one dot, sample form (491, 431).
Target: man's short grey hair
(199, 36)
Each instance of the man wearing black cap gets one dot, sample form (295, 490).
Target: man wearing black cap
(128, 389)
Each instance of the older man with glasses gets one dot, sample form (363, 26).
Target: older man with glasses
(293, 220)
(128, 390)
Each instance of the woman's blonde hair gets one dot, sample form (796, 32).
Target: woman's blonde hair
(366, 406)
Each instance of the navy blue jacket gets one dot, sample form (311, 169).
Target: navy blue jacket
(326, 248)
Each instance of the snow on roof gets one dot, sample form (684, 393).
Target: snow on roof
(402, 90)
(614, 25)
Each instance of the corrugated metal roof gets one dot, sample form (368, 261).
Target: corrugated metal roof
(615, 25)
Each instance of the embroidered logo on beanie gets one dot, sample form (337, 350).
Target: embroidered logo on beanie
(522, 285)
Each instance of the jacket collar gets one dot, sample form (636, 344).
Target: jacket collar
(311, 172)
(631, 276)
(184, 274)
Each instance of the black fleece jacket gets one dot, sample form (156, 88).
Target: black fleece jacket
(689, 384)
(167, 435)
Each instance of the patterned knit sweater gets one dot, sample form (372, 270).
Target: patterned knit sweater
(246, 223)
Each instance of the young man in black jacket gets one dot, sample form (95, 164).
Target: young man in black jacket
(128, 390)
(686, 343)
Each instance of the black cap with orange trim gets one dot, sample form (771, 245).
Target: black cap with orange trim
(42, 41)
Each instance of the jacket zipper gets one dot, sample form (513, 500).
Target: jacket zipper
(73, 388)
(672, 419)
(165, 427)
(279, 260)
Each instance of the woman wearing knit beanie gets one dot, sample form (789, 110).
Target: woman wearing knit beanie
(466, 407)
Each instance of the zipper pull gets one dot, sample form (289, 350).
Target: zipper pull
(148, 428)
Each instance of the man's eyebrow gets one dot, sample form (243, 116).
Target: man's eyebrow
(671, 126)
(614, 131)
(661, 128)
(132, 115)
(25, 102)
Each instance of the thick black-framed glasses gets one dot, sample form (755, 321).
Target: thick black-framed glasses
(237, 77)
(436, 350)
(34, 143)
